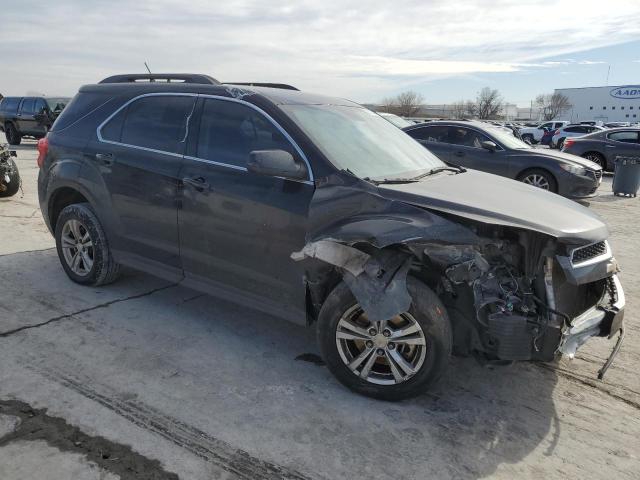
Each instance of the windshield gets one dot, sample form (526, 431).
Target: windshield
(507, 138)
(396, 120)
(361, 141)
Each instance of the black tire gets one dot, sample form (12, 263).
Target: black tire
(560, 143)
(14, 181)
(428, 311)
(528, 138)
(553, 184)
(11, 132)
(104, 270)
(596, 157)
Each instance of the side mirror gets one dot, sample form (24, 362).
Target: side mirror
(275, 163)
(487, 145)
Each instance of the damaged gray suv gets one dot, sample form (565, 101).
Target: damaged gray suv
(317, 210)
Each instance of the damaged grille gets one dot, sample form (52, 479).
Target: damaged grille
(589, 252)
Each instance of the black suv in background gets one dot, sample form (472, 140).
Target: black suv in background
(29, 116)
(319, 211)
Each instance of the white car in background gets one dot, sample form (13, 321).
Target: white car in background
(570, 131)
(534, 134)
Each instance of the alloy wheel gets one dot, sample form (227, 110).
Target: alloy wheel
(537, 180)
(595, 158)
(387, 352)
(77, 247)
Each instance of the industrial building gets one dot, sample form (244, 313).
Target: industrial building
(602, 104)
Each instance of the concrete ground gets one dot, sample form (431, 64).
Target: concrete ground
(145, 379)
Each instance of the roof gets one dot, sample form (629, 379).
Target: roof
(279, 96)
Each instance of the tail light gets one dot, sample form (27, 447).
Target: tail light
(43, 148)
(567, 143)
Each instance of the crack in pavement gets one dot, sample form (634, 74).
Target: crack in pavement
(21, 216)
(85, 310)
(27, 251)
(592, 384)
(121, 460)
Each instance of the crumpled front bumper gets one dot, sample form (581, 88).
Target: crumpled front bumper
(598, 321)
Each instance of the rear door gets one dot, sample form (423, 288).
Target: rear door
(622, 142)
(434, 138)
(238, 229)
(138, 155)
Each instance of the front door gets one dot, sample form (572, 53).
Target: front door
(27, 124)
(138, 157)
(238, 229)
(467, 151)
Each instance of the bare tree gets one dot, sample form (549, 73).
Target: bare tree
(471, 109)
(488, 103)
(409, 103)
(552, 104)
(389, 105)
(459, 109)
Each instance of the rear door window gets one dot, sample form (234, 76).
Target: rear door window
(156, 122)
(624, 136)
(40, 105)
(229, 131)
(431, 134)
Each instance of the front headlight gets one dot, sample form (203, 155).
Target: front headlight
(576, 170)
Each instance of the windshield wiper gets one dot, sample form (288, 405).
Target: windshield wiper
(390, 181)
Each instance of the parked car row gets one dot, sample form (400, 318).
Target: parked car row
(320, 211)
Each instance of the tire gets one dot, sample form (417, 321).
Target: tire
(560, 143)
(426, 311)
(13, 137)
(528, 138)
(14, 181)
(596, 157)
(99, 266)
(530, 176)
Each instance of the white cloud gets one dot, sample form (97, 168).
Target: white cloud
(357, 49)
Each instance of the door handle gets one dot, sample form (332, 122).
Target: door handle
(459, 154)
(199, 183)
(105, 158)
(610, 146)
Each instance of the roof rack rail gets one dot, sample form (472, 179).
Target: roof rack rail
(162, 77)
(283, 86)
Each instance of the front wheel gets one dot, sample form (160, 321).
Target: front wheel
(392, 359)
(82, 247)
(539, 178)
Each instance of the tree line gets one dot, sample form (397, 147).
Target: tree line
(487, 105)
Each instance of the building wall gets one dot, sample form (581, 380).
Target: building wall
(606, 104)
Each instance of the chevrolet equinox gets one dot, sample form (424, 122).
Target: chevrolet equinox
(317, 210)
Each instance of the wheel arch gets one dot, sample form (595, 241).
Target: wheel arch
(526, 170)
(62, 197)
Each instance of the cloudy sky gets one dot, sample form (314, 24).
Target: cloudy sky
(447, 50)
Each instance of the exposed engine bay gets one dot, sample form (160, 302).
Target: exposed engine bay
(511, 295)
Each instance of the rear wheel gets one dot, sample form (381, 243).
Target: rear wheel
(596, 157)
(528, 138)
(82, 247)
(392, 359)
(12, 134)
(560, 143)
(539, 178)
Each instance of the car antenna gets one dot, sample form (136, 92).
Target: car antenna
(147, 67)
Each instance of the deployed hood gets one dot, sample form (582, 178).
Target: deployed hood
(496, 200)
(564, 157)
